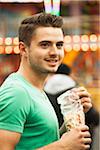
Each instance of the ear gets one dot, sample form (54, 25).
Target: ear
(23, 49)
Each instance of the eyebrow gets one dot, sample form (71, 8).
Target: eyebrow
(45, 41)
(60, 42)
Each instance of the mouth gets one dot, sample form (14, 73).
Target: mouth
(52, 61)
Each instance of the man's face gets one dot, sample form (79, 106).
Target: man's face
(46, 50)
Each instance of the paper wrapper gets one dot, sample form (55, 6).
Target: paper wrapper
(73, 120)
(71, 109)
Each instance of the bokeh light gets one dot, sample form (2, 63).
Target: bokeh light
(93, 47)
(8, 49)
(8, 41)
(67, 39)
(76, 47)
(16, 50)
(84, 38)
(93, 38)
(1, 49)
(76, 38)
(1, 41)
(67, 47)
(85, 47)
(15, 41)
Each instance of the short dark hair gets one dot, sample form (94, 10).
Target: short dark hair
(30, 24)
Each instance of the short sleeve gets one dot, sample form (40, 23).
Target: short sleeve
(14, 108)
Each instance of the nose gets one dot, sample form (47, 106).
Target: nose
(53, 50)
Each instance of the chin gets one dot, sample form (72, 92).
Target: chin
(53, 70)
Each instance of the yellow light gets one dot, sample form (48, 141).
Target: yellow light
(1, 41)
(84, 38)
(93, 47)
(99, 46)
(8, 49)
(76, 47)
(8, 41)
(1, 49)
(76, 38)
(99, 38)
(85, 47)
(67, 39)
(16, 50)
(68, 47)
(93, 38)
(15, 41)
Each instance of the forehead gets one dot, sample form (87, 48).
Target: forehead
(48, 33)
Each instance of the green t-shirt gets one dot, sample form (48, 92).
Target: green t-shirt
(27, 110)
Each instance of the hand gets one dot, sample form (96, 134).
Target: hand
(76, 139)
(85, 98)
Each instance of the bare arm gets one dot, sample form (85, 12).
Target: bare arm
(8, 139)
(76, 139)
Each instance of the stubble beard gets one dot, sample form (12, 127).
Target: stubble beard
(37, 68)
(41, 70)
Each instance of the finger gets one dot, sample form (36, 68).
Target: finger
(86, 147)
(83, 94)
(82, 88)
(86, 134)
(87, 140)
(86, 100)
(86, 106)
(83, 128)
(79, 89)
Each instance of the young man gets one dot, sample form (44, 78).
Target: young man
(27, 119)
(60, 82)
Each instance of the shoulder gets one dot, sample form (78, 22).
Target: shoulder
(14, 107)
(14, 98)
(13, 93)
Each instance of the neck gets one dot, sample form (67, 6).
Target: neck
(34, 78)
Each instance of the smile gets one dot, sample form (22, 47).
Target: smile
(52, 60)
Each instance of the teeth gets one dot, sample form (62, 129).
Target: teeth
(53, 60)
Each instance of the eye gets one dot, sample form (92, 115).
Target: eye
(44, 45)
(59, 45)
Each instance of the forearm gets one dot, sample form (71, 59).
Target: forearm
(6, 147)
(53, 146)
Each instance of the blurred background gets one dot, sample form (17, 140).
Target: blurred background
(82, 38)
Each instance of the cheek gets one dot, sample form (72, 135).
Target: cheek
(61, 53)
(40, 54)
(39, 57)
(37, 54)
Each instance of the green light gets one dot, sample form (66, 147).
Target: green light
(53, 9)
